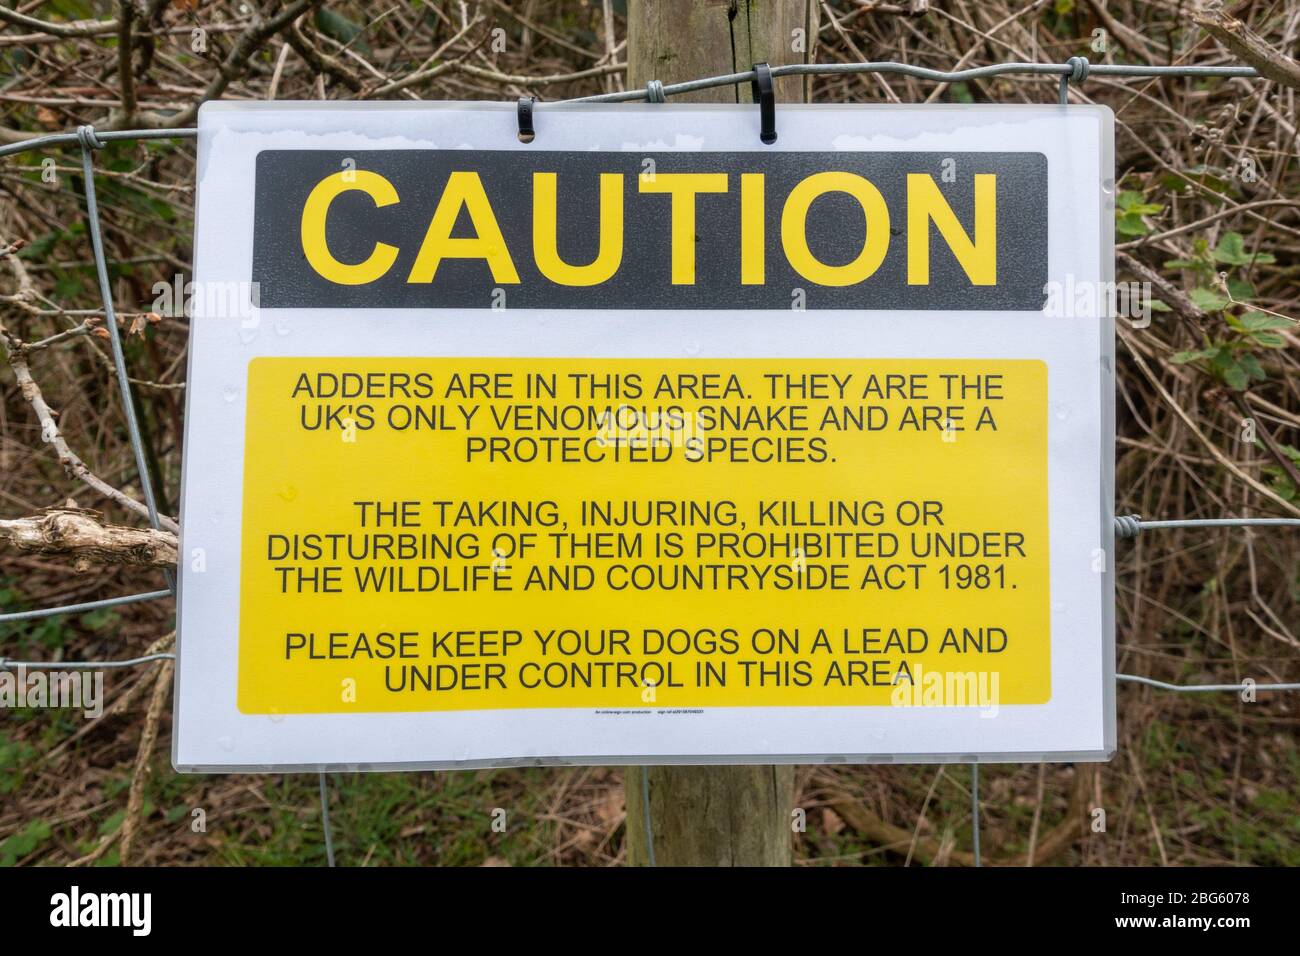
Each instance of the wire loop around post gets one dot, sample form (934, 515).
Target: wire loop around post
(88, 138)
(1128, 526)
(654, 92)
(765, 96)
(1079, 67)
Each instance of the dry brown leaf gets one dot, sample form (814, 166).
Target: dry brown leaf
(832, 822)
(610, 810)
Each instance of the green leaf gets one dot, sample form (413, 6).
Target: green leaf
(100, 619)
(340, 28)
(1209, 300)
(1182, 358)
(1208, 177)
(1241, 290)
(1231, 249)
(1269, 340)
(1131, 201)
(1252, 366)
(1260, 321)
(39, 248)
(1221, 361)
(1129, 212)
(1282, 482)
(1131, 225)
(1236, 377)
(24, 842)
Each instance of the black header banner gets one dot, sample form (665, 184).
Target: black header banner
(680, 230)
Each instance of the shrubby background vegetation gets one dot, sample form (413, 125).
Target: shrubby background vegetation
(1207, 213)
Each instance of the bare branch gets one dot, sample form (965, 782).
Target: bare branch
(82, 535)
(1251, 47)
(31, 392)
(73, 28)
(257, 33)
(319, 60)
(125, 50)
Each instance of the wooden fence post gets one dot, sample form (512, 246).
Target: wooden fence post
(733, 815)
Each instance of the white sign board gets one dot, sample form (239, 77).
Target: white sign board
(646, 442)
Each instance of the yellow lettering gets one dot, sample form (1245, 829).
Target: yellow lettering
(609, 254)
(464, 190)
(794, 235)
(752, 229)
(683, 187)
(926, 203)
(316, 210)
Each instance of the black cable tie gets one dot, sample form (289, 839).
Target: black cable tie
(526, 132)
(765, 96)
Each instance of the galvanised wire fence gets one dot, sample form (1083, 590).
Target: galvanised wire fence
(1075, 70)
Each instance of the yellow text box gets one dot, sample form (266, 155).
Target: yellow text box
(484, 533)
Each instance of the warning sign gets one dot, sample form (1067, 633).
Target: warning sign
(674, 449)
